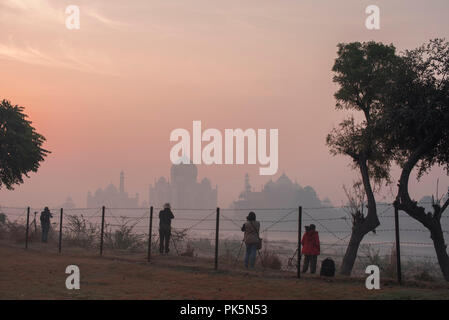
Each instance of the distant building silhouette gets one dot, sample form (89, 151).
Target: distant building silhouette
(183, 190)
(112, 197)
(282, 193)
(68, 204)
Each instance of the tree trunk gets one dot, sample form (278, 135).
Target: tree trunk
(351, 252)
(439, 244)
(431, 222)
(360, 230)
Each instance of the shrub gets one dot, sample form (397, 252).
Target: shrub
(2, 219)
(424, 275)
(80, 233)
(123, 238)
(270, 260)
(189, 251)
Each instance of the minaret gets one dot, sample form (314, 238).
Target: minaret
(122, 182)
(247, 184)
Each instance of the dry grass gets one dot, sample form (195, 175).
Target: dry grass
(39, 274)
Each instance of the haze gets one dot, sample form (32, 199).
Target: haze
(107, 96)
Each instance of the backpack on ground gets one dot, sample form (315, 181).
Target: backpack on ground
(327, 268)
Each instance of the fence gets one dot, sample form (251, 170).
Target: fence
(214, 235)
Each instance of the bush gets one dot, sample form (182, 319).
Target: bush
(80, 233)
(387, 264)
(189, 251)
(424, 275)
(15, 231)
(270, 260)
(2, 219)
(123, 237)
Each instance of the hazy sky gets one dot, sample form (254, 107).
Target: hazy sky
(107, 96)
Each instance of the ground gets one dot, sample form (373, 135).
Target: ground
(40, 274)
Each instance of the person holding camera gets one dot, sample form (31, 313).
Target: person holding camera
(45, 223)
(165, 218)
(310, 248)
(251, 238)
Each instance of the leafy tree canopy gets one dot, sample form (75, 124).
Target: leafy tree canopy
(20, 146)
(365, 73)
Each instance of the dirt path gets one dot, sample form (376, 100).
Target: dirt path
(41, 275)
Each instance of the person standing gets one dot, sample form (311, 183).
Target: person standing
(251, 238)
(45, 223)
(165, 218)
(310, 248)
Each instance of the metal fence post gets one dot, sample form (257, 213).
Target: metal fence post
(35, 223)
(298, 270)
(60, 231)
(150, 233)
(27, 228)
(217, 228)
(398, 245)
(102, 230)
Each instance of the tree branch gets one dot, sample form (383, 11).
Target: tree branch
(444, 207)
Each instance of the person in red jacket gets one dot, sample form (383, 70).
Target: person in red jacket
(310, 248)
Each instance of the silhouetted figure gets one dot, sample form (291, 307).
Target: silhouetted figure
(45, 223)
(310, 248)
(251, 238)
(165, 218)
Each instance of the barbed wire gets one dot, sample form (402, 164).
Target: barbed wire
(322, 225)
(205, 209)
(279, 220)
(199, 222)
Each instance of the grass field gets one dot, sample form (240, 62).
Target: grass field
(39, 274)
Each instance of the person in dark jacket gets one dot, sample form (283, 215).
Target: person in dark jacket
(45, 223)
(310, 249)
(251, 238)
(165, 218)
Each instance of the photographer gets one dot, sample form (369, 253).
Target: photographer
(251, 238)
(310, 248)
(45, 223)
(165, 218)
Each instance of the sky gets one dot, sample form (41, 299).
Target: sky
(107, 96)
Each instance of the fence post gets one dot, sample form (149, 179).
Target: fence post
(150, 233)
(299, 242)
(102, 231)
(398, 245)
(27, 228)
(60, 231)
(35, 223)
(217, 228)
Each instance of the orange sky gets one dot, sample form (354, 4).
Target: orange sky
(107, 96)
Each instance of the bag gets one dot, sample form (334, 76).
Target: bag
(259, 244)
(327, 268)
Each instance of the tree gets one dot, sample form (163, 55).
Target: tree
(20, 145)
(356, 202)
(364, 73)
(416, 132)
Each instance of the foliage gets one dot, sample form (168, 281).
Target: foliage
(356, 202)
(189, 251)
(79, 232)
(364, 73)
(387, 264)
(417, 115)
(20, 145)
(123, 237)
(269, 259)
(2, 218)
